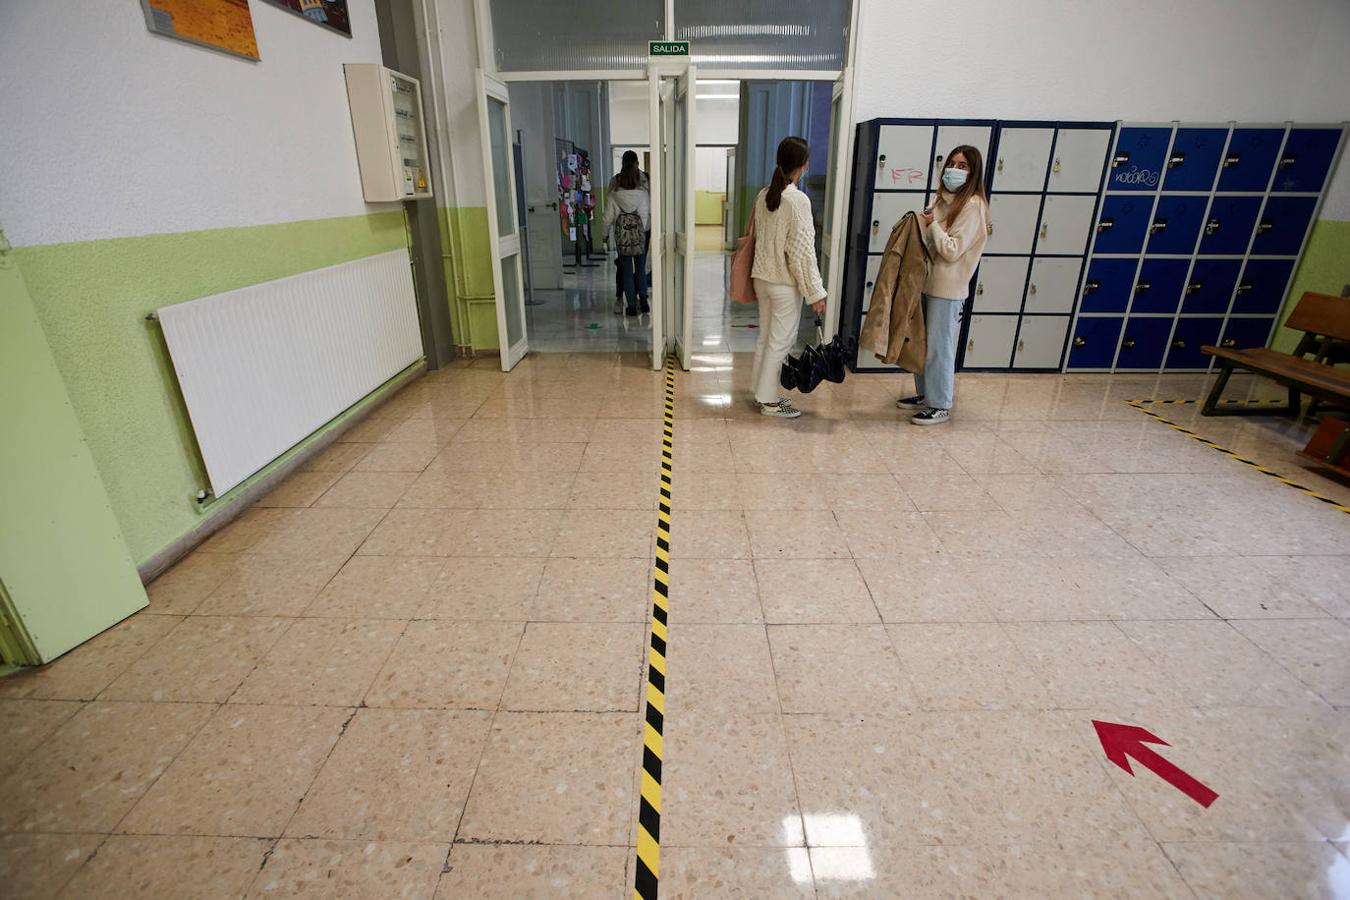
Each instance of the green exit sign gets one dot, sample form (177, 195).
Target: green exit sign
(667, 48)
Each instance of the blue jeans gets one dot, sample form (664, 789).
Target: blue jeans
(633, 276)
(942, 318)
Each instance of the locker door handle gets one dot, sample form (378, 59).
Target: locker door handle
(1105, 225)
(1245, 287)
(990, 228)
(1119, 160)
(1288, 160)
(881, 161)
(1032, 288)
(1228, 342)
(870, 284)
(979, 289)
(1078, 341)
(1194, 286)
(1266, 225)
(970, 344)
(1056, 168)
(939, 159)
(1045, 230)
(1175, 160)
(1179, 344)
(876, 224)
(1212, 226)
(1231, 160)
(1128, 343)
(1142, 286)
(1091, 285)
(1000, 164)
(1158, 226)
(1021, 346)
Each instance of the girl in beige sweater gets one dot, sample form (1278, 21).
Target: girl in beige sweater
(955, 230)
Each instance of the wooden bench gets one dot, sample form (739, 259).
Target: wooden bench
(1325, 321)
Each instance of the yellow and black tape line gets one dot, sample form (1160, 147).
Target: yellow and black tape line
(1142, 406)
(649, 803)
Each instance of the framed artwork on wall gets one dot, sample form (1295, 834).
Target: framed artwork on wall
(225, 25)
(331, 14)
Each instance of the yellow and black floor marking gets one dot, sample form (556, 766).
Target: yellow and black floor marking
(649, 803)
(1142, 406)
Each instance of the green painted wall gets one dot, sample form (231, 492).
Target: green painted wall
(1325, 269)
(67, 571)
(92, 298)
(708, 207)
(467, 251)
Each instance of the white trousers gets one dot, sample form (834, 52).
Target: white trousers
(780, 313)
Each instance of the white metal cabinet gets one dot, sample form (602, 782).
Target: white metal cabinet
(904, 157)
(999, 284)
(1040, 342)
(1053, 284)
(989, 343)
(949, 137)
(1066, 225)
(1012, 222)
(1078, 160)
(1022, 157)
(887, 209)
(390, 134)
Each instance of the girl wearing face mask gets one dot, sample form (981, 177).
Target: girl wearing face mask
(785, 272)
(955, 230)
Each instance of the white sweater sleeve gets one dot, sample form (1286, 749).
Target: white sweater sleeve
(965, 232)
(801, 252)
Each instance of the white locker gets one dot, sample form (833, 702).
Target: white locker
(1080, 155)
(999, 284)
(873, 266)
(1053, 285)
(904, 157)
(1040, 342)
(989, 344)
(887, 209)
(1023, 156)
(1066, 225)
(949, 137)
(1012, 223)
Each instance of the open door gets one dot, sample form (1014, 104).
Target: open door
(508, 282)
(656, 174)
(832, 247)
(680, 150)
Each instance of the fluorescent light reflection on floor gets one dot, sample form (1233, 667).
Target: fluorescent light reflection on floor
(838, 852)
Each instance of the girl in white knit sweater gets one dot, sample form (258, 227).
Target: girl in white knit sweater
(785, 272)
(955, 230)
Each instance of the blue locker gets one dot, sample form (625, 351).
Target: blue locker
(1107, 286)
(1094, 342)
(1160, 284)
(1306, 160)
(1121, 226)
(1176, 224)
(1283, 223)
(1190, 336)
(1211, 285)
(1263, 285)
(1250, 159)
(1246, 334)
(1194, 159)
(1139, 159)
(1144, 342)
(1228, 227)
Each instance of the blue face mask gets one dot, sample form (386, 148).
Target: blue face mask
(953, 179)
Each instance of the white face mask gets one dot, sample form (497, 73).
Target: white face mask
(954, 179)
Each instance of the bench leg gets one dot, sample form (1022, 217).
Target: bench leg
(1214, 405)
(1215, 393)
(1295, 403)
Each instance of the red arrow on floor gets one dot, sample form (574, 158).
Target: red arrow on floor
(1123, 741)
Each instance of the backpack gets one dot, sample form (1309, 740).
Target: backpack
(629, 238)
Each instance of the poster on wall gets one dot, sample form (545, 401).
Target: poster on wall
(328, 13)
(224, 25)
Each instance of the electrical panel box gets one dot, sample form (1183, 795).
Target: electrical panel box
(390, 131)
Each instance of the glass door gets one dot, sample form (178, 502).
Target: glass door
(681, 153)
(836, 209)
(494, 120)
(656, 110)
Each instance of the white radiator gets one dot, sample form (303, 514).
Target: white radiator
(264, 366)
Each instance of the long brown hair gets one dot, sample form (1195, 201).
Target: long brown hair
(793, 153)
(974, 186)
(630, 177)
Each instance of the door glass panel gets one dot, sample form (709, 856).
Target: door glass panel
(545, 35)
(512, 299)
(501, 167)
(765, 34)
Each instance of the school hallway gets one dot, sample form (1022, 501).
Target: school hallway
(886, 650)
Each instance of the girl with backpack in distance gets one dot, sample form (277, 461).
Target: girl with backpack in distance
(628, 216)
(785, 272)
(955, 230)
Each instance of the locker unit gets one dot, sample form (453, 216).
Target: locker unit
(1043, 180)
(1196, 240)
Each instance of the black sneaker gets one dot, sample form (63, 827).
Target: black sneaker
(631, 311)
(931, 417)
(911, 403)
(642, 306)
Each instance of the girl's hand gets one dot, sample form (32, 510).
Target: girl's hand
(927, 216)
(819, 307)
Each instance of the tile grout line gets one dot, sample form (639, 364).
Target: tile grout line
(646, 877)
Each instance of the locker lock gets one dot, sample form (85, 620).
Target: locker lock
(869, 284)
(1211, 226)
(979, 289)
(881, 161)
(1091, 285)
(1105, 225)
(1228, 342)
(1021, 346)
(939, 159)
(989, 228)
(1288, 160)
(1179, 344)
(1078, 341)
(1194, 286)
(1031, 288)
(1057, 168)
(1045, 230)
(1231, 160)
(1120, 159)
(1265, 226)
(1142, 286)
(1158, 226)
(1176, 159)
(1245, 287)
(876, 224)
(1128, 343)
(1000, 164)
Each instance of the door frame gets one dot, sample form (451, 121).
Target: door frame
(502, 246)
(686, 92)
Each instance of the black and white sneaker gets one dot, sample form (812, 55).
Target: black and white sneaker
(780, 410)
(618, 307)
(931, 417)
(911, 403)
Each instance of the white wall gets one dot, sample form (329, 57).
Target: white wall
(1197, 60)
(710, 169)
(450, 26)
(111, 131)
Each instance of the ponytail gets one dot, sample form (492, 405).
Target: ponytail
(793, 154)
